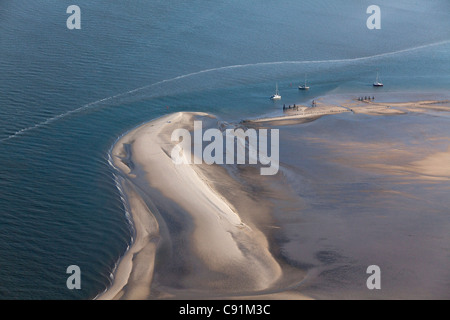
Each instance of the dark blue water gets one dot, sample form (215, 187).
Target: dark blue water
(65, 97)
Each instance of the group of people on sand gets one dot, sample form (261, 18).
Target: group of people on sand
(294, 107)
(366, 98)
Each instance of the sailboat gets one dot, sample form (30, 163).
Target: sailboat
(303, 87)
(377, 82)
(276, 96)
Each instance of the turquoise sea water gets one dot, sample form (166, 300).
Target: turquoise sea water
(65, 97)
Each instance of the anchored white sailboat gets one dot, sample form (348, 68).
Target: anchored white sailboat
(377, 82)
(303, 87)
(276, 96)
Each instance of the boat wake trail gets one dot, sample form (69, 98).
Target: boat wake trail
(212, 71)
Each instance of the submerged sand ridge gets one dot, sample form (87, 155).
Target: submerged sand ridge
(221, 252)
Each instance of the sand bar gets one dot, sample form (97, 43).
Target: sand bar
(331, 106)
(225, 252)
(230, 254)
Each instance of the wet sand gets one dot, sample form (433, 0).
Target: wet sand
(371, 190)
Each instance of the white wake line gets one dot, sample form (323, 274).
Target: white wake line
(238, 66)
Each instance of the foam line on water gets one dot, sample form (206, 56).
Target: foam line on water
(237, 66)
